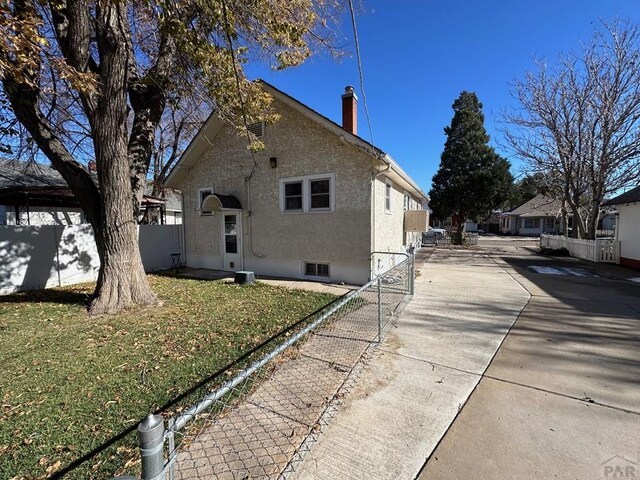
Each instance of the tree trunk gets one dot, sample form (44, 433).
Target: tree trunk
(122, 281)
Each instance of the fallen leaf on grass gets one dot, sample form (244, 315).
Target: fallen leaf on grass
(54, 468)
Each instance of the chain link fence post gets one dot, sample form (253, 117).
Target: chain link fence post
(379, 312)
(412, 277)
(151, 441)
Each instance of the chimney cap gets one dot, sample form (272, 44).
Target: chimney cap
(349, 91)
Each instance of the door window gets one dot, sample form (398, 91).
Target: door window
(230, 234)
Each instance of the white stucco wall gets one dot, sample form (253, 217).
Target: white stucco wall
(274, 242)
(389, 235)
(629, 234)
(389, 232)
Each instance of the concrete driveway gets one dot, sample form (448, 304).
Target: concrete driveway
(561, 398)
(423, 372)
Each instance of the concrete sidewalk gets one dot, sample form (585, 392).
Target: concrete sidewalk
(424, 372)
(561, 399)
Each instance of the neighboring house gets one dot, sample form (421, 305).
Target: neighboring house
(35, 194)
(491, 224)
(607, 221)
(628, 226)
(537, 216)
(172, 207)
(169, 205)
(314, 204)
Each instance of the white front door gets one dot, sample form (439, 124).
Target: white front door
(231, 241)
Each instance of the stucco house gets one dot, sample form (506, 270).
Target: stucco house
(537, 216)
(628, 226)
(314, 204)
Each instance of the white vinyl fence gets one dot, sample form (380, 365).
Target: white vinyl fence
(599, 250)
(41, 256)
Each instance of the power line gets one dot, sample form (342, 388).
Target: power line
(360, 72)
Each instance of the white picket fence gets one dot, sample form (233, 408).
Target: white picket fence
(41, 256)
(599, 250)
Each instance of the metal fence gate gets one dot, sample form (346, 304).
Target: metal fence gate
(260, 423)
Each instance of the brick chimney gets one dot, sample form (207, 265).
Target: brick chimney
(350, 110)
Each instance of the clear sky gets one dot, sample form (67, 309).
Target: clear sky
(418, 55)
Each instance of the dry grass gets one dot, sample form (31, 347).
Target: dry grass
(72, 384)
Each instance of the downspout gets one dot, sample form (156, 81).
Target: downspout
(374, 206)
(184, 212)
(250, 236)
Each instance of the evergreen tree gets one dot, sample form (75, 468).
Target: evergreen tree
(472, 179)
(524, 190)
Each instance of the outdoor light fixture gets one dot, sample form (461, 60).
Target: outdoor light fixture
(273, 162)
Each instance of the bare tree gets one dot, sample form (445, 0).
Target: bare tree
(579, 122)
(180, 122)
(113, 66)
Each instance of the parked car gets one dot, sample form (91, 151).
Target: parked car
(432, 232)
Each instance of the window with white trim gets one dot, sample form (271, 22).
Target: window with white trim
(202, 194)
(407, 202)
(316, 269)
(530, 223)
(387, 196)
(311, 193)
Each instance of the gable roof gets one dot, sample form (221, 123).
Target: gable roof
(214, 124)
(538, 206)
(16, 174)
(631, 196)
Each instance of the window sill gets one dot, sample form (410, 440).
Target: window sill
(317, 278)
(300, 212)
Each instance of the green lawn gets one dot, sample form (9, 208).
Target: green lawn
(70, 383)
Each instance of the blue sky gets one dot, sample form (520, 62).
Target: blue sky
(418, 55)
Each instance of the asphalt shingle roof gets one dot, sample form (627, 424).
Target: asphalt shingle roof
(631, 196)
(538, 206)
(16, 174)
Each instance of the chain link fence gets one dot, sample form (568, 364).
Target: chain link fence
(258, 422)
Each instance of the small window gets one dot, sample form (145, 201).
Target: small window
(3, 215)
(551, 222)
(320, 194)
(529, 223)
(293, 196)
(407, 201)
(256, 128)
(387, 197)
(316, 269)
(202, 194)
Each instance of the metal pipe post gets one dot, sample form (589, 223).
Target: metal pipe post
(379, 312)
(150, 441)
(412, 277)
